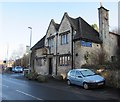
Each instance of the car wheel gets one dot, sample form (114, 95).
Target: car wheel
(85, 85)
(68, 82)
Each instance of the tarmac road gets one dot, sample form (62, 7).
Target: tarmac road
(16, 87)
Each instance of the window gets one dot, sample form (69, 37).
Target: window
(78, 74)
(39, 62)
(51, 42)
(113, 58)
(118, 41)
(64, 39)
(64, 60)
(86, 44)
(86, 73)
(72, 73)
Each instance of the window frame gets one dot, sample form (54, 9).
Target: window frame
(51, 42)
(64, 60)
(72, 73)
(64, 39)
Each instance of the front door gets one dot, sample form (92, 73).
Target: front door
(50, 65)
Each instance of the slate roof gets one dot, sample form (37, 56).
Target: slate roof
(39, 44)
(83, 30)
(56, 25)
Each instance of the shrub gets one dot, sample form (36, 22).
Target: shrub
(41, 78)
(32, 76)
(111, 77)
(58, 77)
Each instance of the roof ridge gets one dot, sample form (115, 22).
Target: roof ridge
(56, 25)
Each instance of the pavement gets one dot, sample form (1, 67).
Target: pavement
(104, 93)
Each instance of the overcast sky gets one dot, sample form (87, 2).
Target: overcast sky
(16, 17)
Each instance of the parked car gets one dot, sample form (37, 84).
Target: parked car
(13, 69)
(8, 69)
(17, 69)
(85, 78)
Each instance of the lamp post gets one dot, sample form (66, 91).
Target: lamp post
(30, 48)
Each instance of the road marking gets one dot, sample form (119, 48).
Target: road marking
(29, 95)
(12, 81)
(4, 85)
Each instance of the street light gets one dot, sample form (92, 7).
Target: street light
(30, 35)
(30, 46)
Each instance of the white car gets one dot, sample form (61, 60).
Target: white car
(17, 69)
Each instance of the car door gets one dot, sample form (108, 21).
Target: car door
(78, 78)
(72, 77)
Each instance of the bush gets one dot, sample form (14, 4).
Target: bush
(41, 78)
(31, 76)
(112, 78)
(58, 77)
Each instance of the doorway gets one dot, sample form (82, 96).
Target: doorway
(50, 66)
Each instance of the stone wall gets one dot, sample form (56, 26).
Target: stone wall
(65, 26)
(43, 70)
(112, 78)
(81, 52)
(113, 45)
(51, 32)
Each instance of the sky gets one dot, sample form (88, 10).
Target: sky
(16, 17)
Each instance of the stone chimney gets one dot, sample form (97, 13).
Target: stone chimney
(104, 30)
(103, 22)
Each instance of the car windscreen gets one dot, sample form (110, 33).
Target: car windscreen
(87, 73)
(18, 67)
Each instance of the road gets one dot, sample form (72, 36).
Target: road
(14, 87)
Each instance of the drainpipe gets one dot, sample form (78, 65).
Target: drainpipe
(72, 48)
(56, 52)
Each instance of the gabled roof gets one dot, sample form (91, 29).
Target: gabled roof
(83, 30)
(39, 44)
(55, 25)
(72, 22)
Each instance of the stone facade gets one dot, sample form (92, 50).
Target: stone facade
(40, 63)
(81, 52)
(114, 45)
(104, 29)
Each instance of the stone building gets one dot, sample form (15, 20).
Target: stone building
(73, 43)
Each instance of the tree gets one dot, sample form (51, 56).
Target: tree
(98, 57)
(18, 53)
(95, 27)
